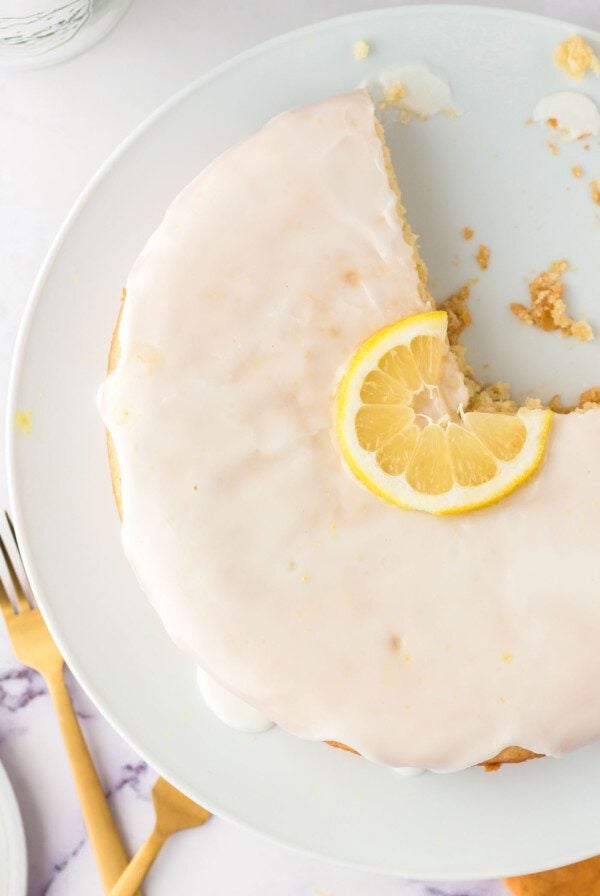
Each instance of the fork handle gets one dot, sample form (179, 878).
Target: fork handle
(140, 864)
(110, 854)
(583, 877)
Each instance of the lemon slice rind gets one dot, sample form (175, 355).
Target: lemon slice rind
(395, 489)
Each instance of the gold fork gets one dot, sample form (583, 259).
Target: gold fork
(581, 879)
(33, 646)
(174, 812)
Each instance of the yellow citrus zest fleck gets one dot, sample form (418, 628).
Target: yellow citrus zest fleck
(24, 422)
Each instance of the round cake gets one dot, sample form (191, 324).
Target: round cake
(417, 640)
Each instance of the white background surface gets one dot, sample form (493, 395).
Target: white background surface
(56, 126)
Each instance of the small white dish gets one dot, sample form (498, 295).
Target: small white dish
(485, 169)
(13, 854)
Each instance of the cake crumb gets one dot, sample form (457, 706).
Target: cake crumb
(575, 57)
(507, 657)
(361, 49)
(587, 400)
(533, 404)
(392, 95)
(468, 233)
(582, 330)
(459, 316)
(555, 404)
(24, 422)
(547, 308)
(577, 171)
(595, 190)
(590, 397)
(552, 147)
(586, 147)
(494, 399)
(483, 257)
(529, 121)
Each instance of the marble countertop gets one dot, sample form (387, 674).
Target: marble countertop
(58, 125)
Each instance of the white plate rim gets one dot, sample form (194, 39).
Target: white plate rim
(19, 360)
(12, 822)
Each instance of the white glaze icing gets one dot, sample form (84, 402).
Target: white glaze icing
(425, 94)
(229, 708)
(417, 640)
(576, 115)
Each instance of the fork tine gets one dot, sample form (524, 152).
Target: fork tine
(19, 592)
(6, 606)
(12, 531)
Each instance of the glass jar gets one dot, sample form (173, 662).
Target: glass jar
(34, 33)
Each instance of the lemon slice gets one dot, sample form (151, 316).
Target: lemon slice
(403, 439)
